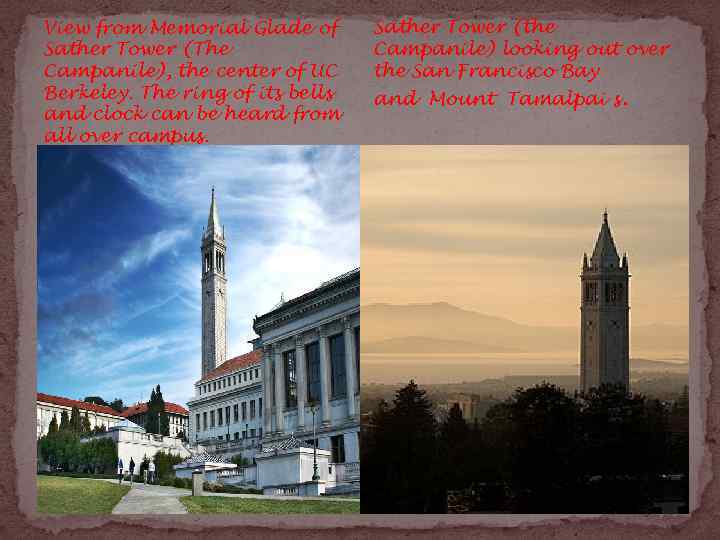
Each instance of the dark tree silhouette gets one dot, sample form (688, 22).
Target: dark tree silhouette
(402, 457)
(539, 451)
(454, 447)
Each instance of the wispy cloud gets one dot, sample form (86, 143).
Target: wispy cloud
(291, 217)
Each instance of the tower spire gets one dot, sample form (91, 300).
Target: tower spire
(605, 254)
(213, 224)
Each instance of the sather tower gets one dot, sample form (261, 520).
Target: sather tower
(604, 315)
(214, 292)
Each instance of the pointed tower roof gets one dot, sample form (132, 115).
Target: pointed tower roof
(605, 254)
(213, 223)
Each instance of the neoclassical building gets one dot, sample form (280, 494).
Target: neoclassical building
(305, 359)
(226, 412)
(605, 315)
(311, 351)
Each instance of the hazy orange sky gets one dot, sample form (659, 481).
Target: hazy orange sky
(502, 229)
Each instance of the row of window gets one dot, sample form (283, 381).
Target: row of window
(245, 433)
(338, 375)
(237, 410)
(172, 420)
(230, 381)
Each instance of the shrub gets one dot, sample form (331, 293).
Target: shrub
(185, 483)
(216, 487)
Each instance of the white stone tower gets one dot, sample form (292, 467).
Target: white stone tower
(214, 292)
(605, 315)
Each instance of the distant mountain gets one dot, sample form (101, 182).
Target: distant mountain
(389, 328)
(430, 346)
(642, 364)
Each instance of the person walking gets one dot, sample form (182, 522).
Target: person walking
(151, 471)
(132, 470)
(120, 471)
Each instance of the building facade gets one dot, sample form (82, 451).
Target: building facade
(48, 406)
(605, 315)
(311, 347)
(133, 442)
(177, 417)
(305, 360)
(226, 412)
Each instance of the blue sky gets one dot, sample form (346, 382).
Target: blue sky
(119, 232)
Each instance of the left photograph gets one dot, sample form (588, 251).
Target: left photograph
(198, 329)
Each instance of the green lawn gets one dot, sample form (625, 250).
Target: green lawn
(237, 505)
(61, 495)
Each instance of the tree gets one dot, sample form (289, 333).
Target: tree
(534, 439)
(97, 400)
(402, 457)
(454, 442)
(53, 427)
(86, 423)
(75, 422)
(64, 421)
(155, 413)
(240, 460)
(117, 404)
(164, 464)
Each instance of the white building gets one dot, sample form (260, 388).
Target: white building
(226, 412)
(133, 442)
(305, 360)
(311, 347)
(177, 417)
(48, 406)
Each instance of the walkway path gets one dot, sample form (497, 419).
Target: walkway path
(153, 499)
(150, 499)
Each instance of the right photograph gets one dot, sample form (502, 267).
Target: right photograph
(525, 342)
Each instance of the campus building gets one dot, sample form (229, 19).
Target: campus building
(48, 406)
(303, 371)
(177, 417)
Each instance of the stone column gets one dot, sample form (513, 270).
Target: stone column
(267, 389)
(279, 390)
(350, 365)
(324, 375)
(300, 381)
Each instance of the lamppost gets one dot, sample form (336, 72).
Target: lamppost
(313, 410)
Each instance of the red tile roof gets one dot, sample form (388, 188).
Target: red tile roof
(172, 408)
(239, 362)
(82, 405)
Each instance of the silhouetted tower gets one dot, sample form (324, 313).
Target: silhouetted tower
(605, 315)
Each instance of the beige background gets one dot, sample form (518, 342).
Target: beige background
(668, 109)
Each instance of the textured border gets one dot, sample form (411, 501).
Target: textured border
(14, 524)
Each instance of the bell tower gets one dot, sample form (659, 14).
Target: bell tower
(604, 315)
(214, 292)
